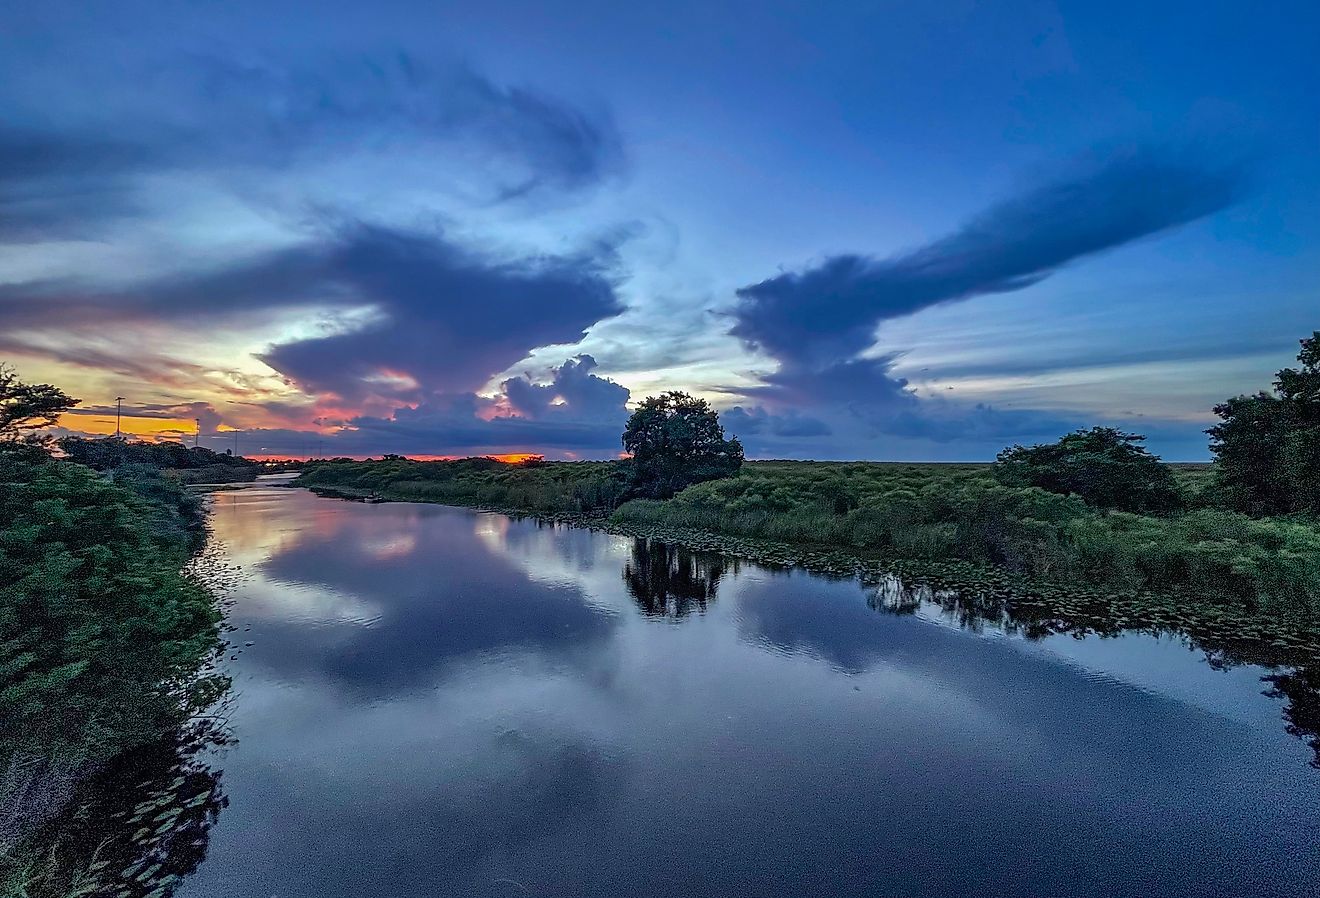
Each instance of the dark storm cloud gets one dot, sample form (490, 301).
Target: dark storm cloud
(374, 102)
(756, 421)
(829, 313)
(816, 323)
(448, 321)
(213, 116)
(286, 278)
(578, 391)
(443, 319)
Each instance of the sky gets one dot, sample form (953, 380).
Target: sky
(893, 231)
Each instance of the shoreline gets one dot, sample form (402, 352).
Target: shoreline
(991, 591)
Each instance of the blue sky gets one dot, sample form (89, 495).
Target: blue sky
(891, 231)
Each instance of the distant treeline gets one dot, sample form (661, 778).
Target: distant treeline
(532, 486)
(192, 464)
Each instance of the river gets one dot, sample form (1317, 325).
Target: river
(441, 702)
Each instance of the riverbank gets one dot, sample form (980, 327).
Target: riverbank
(1213, 574)
(106, 635)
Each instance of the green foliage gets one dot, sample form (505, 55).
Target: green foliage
(962, 511)
(1105, 467)
(100, 632)
(1268, 445)
(25, 407)
(200, 463)
(675, 441)
(531, 486)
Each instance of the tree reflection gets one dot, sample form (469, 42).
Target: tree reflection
(134, 830)
(672, 581)
(1228, 640)
(1300, 687)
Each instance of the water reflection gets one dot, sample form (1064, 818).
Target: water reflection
(429, 595)
(442, 702)
(138, 827)
(673, 581)
(1223, 644)
(1301, 689)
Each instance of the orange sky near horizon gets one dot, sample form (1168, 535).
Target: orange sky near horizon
(143, 428)
(511, 458)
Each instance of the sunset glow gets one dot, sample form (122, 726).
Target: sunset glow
(443, 235)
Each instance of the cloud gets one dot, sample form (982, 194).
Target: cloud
(818, 323)
(756, 421)
(218, 116)
(828, 313)
(446, 321)
(54, 185)
(574, 414)
(439, 319)
(573, 390)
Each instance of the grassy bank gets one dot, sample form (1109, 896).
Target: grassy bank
(932, 513)
(104, 638)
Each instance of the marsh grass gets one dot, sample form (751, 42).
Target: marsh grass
(933, 512)
(908, 511)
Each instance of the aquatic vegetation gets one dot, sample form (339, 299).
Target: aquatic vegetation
(135, 828)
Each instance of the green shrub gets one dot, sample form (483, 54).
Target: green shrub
(1104, 466)
(100, 632)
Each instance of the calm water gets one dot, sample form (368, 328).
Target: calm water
(440, 702)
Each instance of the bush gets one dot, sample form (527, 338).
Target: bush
(100, 632)
(1105, 467)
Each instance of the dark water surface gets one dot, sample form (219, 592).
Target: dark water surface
(441, 702)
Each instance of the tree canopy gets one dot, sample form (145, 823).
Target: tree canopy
(677, 440)
(27, 407)
(1106, 467)
(1268, 444)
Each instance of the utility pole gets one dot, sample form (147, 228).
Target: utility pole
(119, 408)
(197, 442)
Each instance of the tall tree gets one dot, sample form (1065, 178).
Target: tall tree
(676, 440)
(1268, 444)
(26, 407)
